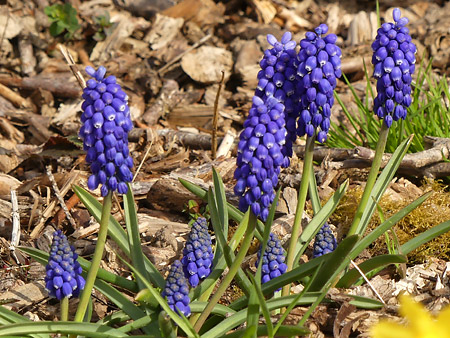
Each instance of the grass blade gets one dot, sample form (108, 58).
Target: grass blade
(116, 232)
(134, 239)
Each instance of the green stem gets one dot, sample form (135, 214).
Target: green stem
(302, 193)
(247, 241)
(96, 259)
(373, 174)
(64, 309)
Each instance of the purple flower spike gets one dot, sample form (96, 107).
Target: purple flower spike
(393, 60)
(197, 253)
(106, 123)
(317, 74)
(324, 242)
(176, 290)
(272, 259)
(63, 272)
(270, 129)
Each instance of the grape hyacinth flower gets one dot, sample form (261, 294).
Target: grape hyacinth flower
(105, 125)
(264, 146)
(177, 290)
(63, 277)
(273, 259)
(318, 70)
(394, 63)
(197, 253)
(277, 78)
(324, 242)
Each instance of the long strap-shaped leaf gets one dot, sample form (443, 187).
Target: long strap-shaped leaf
(42, 257)
(110, 292)
(381, 185)
(83, 329)
(134, 239)
(117, 233)
(9, 317)
(183, 323)
(319, 219)
(371, 264)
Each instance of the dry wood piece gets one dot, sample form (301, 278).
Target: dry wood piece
(59, 86)
(202, 12)
(15, 98)
(206, 64)
(169, 194)
(49, 210)
(166, 101)
(57, 192)
(25, 295)
(163, 31)
(27, 56)
(265, 9)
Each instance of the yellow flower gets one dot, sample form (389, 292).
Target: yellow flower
(420, 323)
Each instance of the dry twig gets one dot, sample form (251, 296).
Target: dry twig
(216, 118)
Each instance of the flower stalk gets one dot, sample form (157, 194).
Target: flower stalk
(302, 193)
(96, 259)
(376, 164)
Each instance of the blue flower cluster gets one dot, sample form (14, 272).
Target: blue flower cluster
(263, 148)
(319, 67)
(177, 289)
(197, 253)
(63, 272)
(105, 125)
(394, 63)
(272, 259)
(324, 242)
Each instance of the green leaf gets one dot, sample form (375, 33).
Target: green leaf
(425, 237)
(331, 267)
(42, 257)
(230, 257)
(371, 264)
(238, 318)
(134, 240)
(221, 200)
(82, 329)
(120, 300)
(166, 327)
(381, 185)
(366, 303)
(386, 225)
(319, 219)
(56, 28)
(262, 330)
(233, 212)
(10, 317)
(183, 323)
(116, 232)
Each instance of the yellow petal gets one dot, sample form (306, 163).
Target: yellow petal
(388, 329)
(443, 320)
(417, 316)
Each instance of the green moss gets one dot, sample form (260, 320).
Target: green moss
(432, 212)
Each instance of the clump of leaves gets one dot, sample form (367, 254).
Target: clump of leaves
(104, 26)
(63, 18)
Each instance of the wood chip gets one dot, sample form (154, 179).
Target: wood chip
(206, 64)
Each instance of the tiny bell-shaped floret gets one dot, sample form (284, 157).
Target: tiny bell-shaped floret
(63, 272)
(106, 122)
(272, 259)
(319, 67)
(394, 63)
(324, 242)
(197, 253)
(176, 290)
